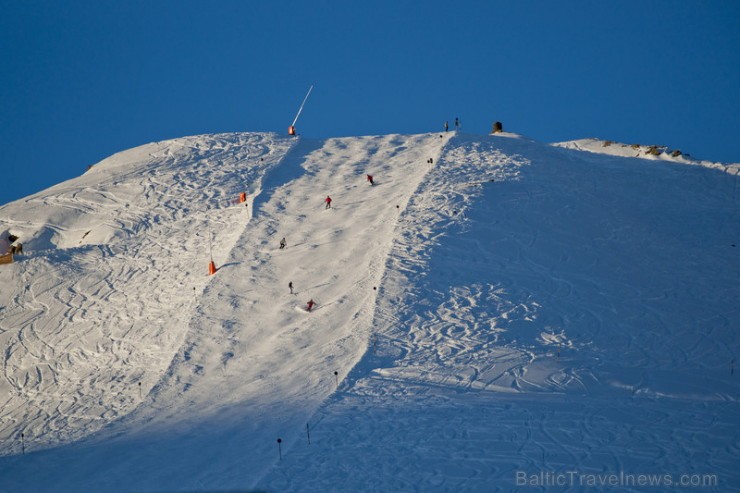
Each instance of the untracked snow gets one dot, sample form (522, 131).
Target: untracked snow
(511, 307)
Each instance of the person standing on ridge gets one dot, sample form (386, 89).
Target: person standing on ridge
(370, 179)
(447, 126)
(457, 123)
(282, 243)
(328, 202)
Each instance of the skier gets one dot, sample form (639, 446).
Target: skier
(457, 123)
(328, 202)
(310, 305)
(370, 179)
(447, 126)
(290, 286)
(282, 243)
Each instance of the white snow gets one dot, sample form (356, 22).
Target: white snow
(514, 306)
(649, 152)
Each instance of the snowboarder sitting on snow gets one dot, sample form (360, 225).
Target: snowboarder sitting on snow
(310, 305)
(328, 202)
(282, 243)
(370, 179)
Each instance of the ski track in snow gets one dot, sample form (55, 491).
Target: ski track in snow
(537, 309)
(89, 322)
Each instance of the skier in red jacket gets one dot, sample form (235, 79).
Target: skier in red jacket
(310, 305)
(370, 179)
(328, 202)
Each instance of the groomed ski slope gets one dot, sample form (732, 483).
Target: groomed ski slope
(255, 363)
(242, 356)
(537, 309)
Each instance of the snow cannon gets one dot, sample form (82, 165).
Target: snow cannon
(291, 128)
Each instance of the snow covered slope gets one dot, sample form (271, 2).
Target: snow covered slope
(650, 152)
(511, 308)
(576, 314)
(100, 303)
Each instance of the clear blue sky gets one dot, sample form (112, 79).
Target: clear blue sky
(81, 80)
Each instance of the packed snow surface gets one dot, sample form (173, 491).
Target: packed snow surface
(492, 310)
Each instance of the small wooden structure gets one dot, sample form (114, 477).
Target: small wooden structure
(6, 259)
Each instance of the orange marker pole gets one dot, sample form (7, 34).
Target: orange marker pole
(211, 266)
